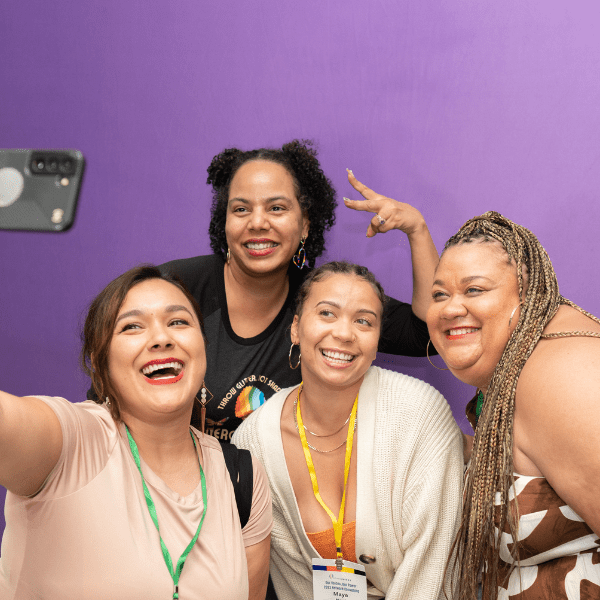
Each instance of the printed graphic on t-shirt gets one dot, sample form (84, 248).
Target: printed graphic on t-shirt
(240, 400)
(250, 399)
(250, 396)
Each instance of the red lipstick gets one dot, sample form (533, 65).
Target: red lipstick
(263, 251)
(166, 380)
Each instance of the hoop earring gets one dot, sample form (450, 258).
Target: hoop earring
(429, 359)
(203, 402)
(300, 257)
(290, 357)
(228, 258)
(512, 314)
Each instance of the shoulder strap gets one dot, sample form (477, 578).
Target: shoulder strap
(239, 465)
(563, 334)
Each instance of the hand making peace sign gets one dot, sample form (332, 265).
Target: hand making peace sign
(389, 213)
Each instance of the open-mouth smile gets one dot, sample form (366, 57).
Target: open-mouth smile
(260, 247)
(162, 371)
(460, 332)
(338, 358)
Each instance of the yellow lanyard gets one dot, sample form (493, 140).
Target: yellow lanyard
(338, 524)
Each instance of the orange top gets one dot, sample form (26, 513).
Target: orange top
(324, 542)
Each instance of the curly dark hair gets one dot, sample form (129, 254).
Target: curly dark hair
(313, 190)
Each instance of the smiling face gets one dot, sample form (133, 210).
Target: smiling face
(338, 331)
(474, 294)
(156, 359)
(264, 223)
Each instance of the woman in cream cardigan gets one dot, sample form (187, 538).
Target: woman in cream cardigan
(402, 490)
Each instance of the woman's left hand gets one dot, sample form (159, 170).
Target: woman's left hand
(389, 213)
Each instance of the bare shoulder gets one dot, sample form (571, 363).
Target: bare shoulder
(563, 362)
(557, 411)
(558, 386)
(569, 319)
(557, 391)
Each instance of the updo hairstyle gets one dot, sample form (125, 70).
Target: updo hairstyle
(314, 191)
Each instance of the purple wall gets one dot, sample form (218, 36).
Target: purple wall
(457, 108)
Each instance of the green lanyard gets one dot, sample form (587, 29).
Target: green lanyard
(152, 510)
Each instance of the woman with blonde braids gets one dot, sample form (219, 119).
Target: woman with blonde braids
(500, 324)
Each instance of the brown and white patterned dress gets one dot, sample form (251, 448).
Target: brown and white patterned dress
(559, 554)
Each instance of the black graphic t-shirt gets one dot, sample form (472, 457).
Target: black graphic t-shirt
(242, 373)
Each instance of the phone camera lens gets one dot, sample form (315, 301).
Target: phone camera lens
(66, 166)
(37, 165)
(52, 166)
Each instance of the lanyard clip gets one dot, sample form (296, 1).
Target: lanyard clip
(175, 592)
(339, 561)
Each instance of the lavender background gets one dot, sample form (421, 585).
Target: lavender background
(456, 107)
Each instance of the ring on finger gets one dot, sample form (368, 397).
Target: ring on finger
(380, 219)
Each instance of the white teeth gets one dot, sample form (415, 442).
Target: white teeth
(462, 331)
(260, 246)
(173, 365)
(340, 357)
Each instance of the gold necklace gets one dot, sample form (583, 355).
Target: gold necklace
(312, 447)
(312, 432)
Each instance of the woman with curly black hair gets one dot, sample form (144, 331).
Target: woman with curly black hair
(271, 209)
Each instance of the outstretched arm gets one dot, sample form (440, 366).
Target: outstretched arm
(391, 214)
(30, 443)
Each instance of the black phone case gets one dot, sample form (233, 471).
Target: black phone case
(39, 201)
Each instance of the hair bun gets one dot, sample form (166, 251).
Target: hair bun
(221, 166)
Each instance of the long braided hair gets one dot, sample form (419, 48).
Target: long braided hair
(477, 548)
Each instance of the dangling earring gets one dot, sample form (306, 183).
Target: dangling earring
(107, 401)
(290, 356)
(300, 257)
(228, 256)
(204, 400)
(429, 359)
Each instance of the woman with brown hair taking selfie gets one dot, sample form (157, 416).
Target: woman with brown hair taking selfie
(121, 498)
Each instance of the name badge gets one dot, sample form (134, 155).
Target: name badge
(330, 584)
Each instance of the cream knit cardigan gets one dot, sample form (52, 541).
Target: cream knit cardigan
(409, 489)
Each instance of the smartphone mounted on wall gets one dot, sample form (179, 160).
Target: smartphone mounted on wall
(39, 188)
